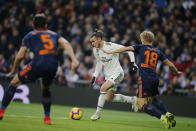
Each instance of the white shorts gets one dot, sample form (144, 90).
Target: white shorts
(116, 79)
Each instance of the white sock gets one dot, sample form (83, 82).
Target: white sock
(161, 117)
(123, 98)
(101, 102)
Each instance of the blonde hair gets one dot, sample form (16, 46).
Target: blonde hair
(147, 36)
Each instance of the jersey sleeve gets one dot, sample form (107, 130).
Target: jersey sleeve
(98, 67)
(131, 56)
(136, 47)
(115, 46)
(162, 56)
(58, 36)
(130, 53)
(26, 40)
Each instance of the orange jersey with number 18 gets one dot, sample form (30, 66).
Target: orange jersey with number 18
(148, 57)
(148, 80)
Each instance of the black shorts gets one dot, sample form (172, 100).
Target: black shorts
(32, 73)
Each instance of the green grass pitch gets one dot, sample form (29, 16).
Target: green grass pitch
(21, 117)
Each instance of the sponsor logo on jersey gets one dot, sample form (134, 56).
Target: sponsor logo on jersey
(104, 59)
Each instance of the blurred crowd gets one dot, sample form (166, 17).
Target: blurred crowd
(172, 21)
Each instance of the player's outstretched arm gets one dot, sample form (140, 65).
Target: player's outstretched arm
(17, 60)
(66, 46)
(172, 67)
(123, 49)
(98, 69)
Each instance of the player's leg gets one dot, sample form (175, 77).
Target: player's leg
(148, 108)
(146, 91)
(112, 97)
(46, 98)
(161, 106)
(157, 102)
(9, 94)
(145, 98)
(124, 98)
(101, 99)
(145, 104)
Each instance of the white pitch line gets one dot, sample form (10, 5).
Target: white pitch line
(35, 117)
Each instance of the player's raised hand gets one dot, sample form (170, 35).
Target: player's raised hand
(107, 52)
(74, 64)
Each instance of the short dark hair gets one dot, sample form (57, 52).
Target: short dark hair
(97, 33)
(39, 21)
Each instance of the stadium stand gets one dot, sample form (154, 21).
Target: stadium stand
(173, 22)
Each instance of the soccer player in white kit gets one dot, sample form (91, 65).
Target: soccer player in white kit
(113, 71)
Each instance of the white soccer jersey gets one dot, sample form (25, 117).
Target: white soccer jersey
(109, 61)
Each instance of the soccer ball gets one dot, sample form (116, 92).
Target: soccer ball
(75, 113)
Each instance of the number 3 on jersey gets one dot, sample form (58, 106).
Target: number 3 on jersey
(151, 60)
(48, 45)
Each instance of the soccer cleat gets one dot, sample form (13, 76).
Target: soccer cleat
(173, 123)
(166, 122)
(169, 115)
(47, 121)
(135, 105)
(95, 117)
(171, 118)
(1, 114)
